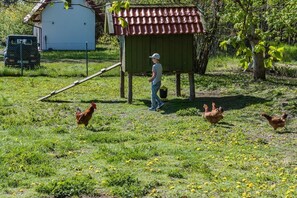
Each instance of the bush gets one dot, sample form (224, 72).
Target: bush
(12, 20)
(290, 53)
(187, 112)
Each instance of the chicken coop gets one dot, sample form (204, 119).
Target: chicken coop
(166, 30)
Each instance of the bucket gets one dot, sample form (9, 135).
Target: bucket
(163, 92)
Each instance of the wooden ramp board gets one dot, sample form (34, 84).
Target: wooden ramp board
(78, 82)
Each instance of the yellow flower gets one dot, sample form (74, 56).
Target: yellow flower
(192, 190)
(171, 187)
(250, 185)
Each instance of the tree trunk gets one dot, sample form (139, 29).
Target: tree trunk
(201, 58)
(258, 63)
(204, 43)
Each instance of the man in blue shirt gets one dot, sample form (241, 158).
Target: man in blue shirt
(156, 82)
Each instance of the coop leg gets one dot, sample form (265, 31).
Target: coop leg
(122, 86)
(177, 84)
(129, 88)
(192, 86)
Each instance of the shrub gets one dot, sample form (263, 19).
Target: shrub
(187, 112)
(290, 53)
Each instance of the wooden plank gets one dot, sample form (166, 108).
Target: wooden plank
(79, 81)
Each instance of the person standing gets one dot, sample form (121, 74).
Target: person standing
(155, 81)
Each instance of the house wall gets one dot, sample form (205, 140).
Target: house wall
(68, 29)
(176, 53)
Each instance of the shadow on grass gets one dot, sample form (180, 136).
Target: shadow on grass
(227, 102)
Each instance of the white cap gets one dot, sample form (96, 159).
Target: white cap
(155, 55)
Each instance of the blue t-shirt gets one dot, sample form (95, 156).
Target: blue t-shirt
(157, 68)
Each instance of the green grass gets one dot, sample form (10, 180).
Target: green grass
(128, 151)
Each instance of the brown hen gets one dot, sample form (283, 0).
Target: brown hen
(84, 117)
(276, 122)
(213, 116)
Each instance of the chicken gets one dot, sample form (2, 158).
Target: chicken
(213, 116)
(276, 122)
(84, 117)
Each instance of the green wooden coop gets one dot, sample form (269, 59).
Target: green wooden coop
(168, 31)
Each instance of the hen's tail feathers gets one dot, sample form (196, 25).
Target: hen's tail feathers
(221, 109)
(268, 117)
(78, 110)
(284, 116)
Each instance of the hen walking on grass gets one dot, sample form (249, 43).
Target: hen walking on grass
(84, 117)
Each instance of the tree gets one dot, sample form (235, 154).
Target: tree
(11, 18)
(204, 43)
(252, 26)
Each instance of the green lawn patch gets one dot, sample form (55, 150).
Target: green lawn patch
(128, 151)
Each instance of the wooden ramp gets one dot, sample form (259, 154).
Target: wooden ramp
(78, 82)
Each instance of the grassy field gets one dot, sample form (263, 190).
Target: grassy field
(128, 151)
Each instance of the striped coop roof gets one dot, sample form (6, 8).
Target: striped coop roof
(157, 20)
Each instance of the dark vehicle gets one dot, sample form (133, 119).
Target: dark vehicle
(21, 47)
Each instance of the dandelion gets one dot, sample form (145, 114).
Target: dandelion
(250, 185)
(193, 190)
(284, 179)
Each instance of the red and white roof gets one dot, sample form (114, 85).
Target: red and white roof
(153, 20)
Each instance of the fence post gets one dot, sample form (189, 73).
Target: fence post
(21, 57)
(87, 61)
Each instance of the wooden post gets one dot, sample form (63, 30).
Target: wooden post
(192, 86)
(130, 88)
(177, 84)
(122, 60)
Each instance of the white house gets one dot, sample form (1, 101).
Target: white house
(58, 28)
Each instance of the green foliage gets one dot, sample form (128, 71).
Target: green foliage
(11, 18)
(67, 187)
(290, 53)
(116, 7)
